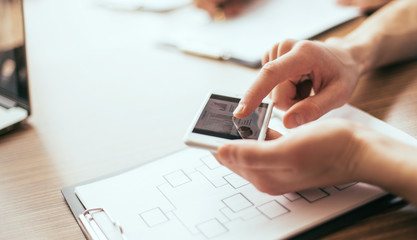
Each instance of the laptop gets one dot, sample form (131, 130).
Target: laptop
(14, 89)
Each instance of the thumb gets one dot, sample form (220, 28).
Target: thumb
(313, 107)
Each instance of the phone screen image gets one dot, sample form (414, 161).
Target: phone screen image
(217, 119)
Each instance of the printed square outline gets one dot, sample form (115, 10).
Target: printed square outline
(222, 231)
(209, 165)
(266, 215)
(344, 186)
(308, 200)
(224, 200)
(146, 220)
(290, 199)
(177, 185)
(231, 184)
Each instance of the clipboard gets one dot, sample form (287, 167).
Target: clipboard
(339, 207)
(113, 230)
(91, 228)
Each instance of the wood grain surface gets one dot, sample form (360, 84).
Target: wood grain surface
(100, 108)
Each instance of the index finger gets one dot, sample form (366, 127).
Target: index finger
(287, 67)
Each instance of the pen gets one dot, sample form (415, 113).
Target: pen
(219, 14)
(210, 51)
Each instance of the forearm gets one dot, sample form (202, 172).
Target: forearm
(389, 164)
(389, 35)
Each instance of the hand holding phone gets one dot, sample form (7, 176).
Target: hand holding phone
(215, 124)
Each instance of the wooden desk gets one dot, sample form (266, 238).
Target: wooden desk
(105, 99)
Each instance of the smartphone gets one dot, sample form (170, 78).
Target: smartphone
(215, 125)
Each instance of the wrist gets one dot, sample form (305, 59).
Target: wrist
(360, 53)
(387, 163)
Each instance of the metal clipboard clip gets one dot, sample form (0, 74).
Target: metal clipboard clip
(99, 225)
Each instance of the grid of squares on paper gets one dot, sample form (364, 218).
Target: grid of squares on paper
(292, 196)
(212, 228)
(237, 202)
(344, 186)
(273, 209)
(210, 162)
(314, 194)
(154, 217)
(235, 180)
(177, 178)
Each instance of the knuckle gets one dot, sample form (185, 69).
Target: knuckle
(285, 47)
(276, 46)
(268, 69)
(265, 59)
(305, 46)
(287, 42)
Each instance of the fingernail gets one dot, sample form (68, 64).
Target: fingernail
(239, 109)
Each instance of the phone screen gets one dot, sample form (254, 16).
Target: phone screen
(217, 119)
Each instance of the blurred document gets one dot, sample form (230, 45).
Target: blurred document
(250, 35)
(146, 5)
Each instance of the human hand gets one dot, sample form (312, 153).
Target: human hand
(364, 5)
(315, 155)
(324, 153)
(221, 9)
(291, 70)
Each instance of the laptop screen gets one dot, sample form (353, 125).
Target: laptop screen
(13, 70)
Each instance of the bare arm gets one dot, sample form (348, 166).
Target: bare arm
(389, 164)
(325, 153)
(333, 67)
(389, 35)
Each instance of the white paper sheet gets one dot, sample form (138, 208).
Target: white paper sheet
(189, 195)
